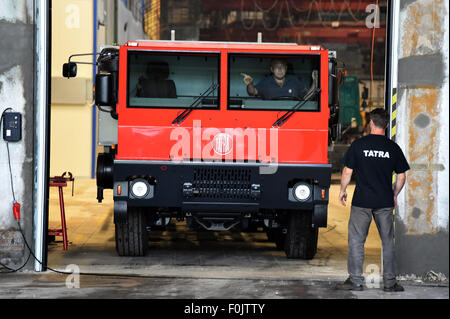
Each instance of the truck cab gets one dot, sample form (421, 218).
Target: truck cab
(184, 139)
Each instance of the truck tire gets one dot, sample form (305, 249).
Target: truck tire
(301, 237)
(132, 237)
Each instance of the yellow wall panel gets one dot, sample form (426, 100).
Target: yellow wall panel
(71, 124)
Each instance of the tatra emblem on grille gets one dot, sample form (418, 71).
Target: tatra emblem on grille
(223, 143)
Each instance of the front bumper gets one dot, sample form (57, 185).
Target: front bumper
(221, 186)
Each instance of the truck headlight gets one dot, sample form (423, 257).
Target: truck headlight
(139, 188)
(301, 191)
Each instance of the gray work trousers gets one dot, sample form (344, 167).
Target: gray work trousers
(358, 228)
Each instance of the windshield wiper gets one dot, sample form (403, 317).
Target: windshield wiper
(180, 118)
(297, 106)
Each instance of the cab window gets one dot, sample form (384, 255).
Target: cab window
(276, 82)
(173, 80)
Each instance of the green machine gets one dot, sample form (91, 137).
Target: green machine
(349, 102)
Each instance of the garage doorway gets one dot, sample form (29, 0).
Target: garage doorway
(373, 80)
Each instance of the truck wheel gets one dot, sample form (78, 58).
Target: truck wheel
(301, 237)
(132, 237)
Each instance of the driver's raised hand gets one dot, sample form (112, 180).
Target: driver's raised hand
(247, 79)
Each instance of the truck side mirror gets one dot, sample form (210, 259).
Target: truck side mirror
(70, 70)
(104, 90)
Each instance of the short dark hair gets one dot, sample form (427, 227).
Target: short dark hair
(278, 60)
(379, 117)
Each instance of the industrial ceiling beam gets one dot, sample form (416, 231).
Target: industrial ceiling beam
(340, 33)
(294, 5)
(313, 32)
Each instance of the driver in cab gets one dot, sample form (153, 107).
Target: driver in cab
(278, 85)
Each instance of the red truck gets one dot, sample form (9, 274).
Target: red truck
(183, 139)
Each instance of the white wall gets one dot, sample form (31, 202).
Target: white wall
(16, 92)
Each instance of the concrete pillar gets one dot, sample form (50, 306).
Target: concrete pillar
(423, 132)
(17, 92)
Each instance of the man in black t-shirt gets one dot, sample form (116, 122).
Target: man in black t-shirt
(374, 158)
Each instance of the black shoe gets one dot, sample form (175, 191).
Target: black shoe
(395, 288)
(349, 285)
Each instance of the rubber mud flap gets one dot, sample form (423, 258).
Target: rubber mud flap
(320, 215)
(132, 237)
(120, 212)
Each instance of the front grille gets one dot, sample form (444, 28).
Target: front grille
(222, 183)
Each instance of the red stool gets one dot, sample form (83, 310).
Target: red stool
(60, 182)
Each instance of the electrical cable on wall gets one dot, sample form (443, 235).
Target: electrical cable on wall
(16, 206)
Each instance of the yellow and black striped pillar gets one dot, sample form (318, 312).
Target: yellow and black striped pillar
(394, 122)
(394, 114)
(394, 133)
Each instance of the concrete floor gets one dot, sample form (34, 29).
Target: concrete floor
(203, 254)
(182, 263)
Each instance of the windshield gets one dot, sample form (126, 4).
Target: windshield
(172, 80)
(269, 82)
